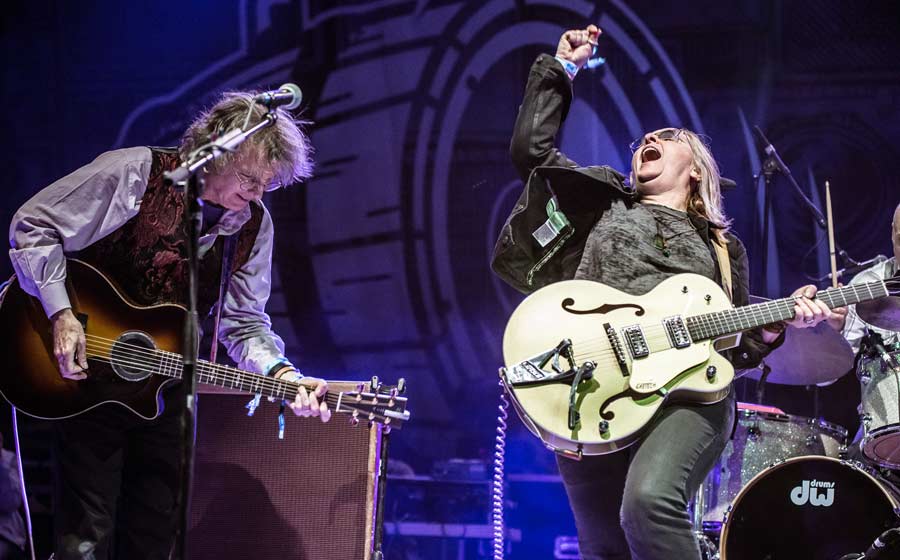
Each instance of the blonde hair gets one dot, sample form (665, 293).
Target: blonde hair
(705, 198)
(283, 146)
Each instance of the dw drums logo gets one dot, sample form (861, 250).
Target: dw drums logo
(815, 492)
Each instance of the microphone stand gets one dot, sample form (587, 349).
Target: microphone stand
(188, 175)
(768, 171)
(770, 165)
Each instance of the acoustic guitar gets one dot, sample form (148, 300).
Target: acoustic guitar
(132, 355)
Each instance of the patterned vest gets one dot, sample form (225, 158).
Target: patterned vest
(147, 256)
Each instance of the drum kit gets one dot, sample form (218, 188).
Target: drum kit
(788, 486)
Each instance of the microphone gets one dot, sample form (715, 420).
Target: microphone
(875, 342)
(726, 184)
(857, 267)
(883, 545)
(768, 149)
(288, 95)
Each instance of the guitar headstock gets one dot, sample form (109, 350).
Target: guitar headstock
(379, 404)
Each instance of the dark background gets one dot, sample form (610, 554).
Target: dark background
(381, 263)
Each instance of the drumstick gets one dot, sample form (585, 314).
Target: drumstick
(834, 276)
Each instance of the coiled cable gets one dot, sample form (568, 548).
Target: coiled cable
(497, 485)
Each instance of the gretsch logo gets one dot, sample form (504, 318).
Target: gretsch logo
(814, 492)
(532, 370)
(646, 386)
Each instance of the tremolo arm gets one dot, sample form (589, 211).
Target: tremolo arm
(534, 370)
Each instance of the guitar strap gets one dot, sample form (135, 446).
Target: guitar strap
(224, 283)
(724, 266)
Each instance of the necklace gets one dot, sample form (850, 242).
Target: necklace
(671, 223)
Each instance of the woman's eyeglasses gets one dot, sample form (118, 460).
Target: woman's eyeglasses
(664, 135)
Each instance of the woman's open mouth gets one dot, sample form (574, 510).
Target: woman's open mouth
(650, 153)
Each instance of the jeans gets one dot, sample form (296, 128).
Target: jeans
(632, 504)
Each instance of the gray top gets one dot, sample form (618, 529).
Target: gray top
(633, 247)
(95, 200)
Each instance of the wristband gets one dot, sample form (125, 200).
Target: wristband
(570, 67)
(277, 365)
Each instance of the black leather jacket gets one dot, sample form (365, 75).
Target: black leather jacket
(556, 185)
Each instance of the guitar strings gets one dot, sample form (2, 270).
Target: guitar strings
(588, 347)
(765, 311)
(329, 397)
(98, 345)
(158, 358)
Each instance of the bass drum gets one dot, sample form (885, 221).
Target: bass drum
(807, 507)
(763, 436)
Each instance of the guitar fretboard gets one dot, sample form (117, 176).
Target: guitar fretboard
(170, 365)
(730, 321)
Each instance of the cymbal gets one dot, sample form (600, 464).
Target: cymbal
(883, 313)
(807, 356)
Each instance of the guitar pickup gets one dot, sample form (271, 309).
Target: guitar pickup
(533, 370)
(677, 332)
(637, 344)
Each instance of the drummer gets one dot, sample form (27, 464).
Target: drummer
(854, 327)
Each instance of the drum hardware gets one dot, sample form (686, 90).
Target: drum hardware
(708, 548)
(886, 543)
(866, 421)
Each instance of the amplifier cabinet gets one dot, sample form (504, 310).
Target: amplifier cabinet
(309, 496)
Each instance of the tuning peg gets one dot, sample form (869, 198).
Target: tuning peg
(360, 387)
(394, 392)
(401, 386)
(354, 421)
(376, 384)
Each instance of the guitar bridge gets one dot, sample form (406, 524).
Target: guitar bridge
(617, 349)
(534, 370)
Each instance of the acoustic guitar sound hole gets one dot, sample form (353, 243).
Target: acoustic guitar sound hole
(133, 356)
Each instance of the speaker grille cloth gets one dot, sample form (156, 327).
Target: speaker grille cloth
(255, 496)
